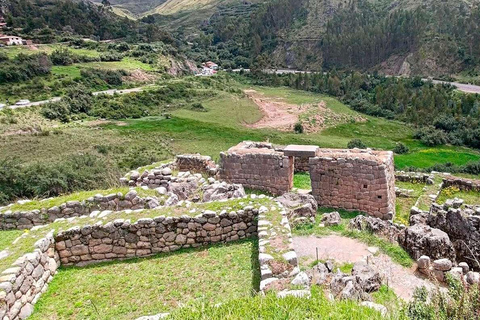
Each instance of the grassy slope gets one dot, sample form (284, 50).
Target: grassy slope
(7, 237)
(134, 288)
(271, 307)
(221, 127)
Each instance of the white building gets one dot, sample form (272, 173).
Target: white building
(11, 40)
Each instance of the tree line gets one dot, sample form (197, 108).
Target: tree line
(441, 114)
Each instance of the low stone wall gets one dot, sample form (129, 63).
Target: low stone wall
(116, 202)
(414, 177)
(23, 283)
(362, 180)
(121, 239)
(257, 166)
(155, 178)
(196, 163)
(461, 183)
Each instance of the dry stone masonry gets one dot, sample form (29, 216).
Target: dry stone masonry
(196, 163)
(362, 180)
(257, 166)
(23, 283)
(115, 202)
(121, 239)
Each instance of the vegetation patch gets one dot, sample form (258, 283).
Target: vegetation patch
(139, 287)
(318, 306)
(470, 197)
(302, 181)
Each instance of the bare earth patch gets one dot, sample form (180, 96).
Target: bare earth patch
(278, 114)
(140, 76)
(402, 280)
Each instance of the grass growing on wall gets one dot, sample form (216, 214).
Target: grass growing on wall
(139, 287)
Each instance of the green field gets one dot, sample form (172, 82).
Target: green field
(223, 125)
(139, 287)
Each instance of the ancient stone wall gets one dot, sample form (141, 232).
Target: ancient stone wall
(116, 202)
(23, 283)
(414, 177)
(121, 239)
(302, 164)
(257, 166)
(461, 183)
(362, 180)
(196, 163)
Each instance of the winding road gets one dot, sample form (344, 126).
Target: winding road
(467, 88)
(110, 92)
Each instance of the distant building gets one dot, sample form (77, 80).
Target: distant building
(211, 65)
(11, 40)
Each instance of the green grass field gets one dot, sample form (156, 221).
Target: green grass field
(470, 197)
(139, 287)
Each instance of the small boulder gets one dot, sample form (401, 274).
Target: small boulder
(331, 219)
(442, 264)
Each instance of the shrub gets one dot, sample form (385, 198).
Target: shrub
(400, 148)
(431, 136)
(62, 57)
(356, 143)
(298, 128)
(461, 302)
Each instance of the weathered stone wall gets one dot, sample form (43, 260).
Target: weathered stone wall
(116, 202)
(196, 163)
(355, 179)
(302, 164)
(461, 183)
(121, 239)
(155, 178)
(257, 166)
(23, 283)
(414, 177)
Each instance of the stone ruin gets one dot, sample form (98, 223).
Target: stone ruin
(362, 180)
(338, 180)
(258, 166)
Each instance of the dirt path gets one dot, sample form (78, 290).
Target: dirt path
(403, 280)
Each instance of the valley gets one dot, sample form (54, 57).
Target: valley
(231, 159)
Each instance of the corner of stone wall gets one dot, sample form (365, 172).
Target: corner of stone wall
(23, 283)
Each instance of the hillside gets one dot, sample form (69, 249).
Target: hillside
(407, 37)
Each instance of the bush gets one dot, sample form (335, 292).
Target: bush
(356, 143)
(81, 172)
(400, 148)
(298, 128)
(25, 67)
(62, 57)
(431, 136)
(461, 302)
(77, 100)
